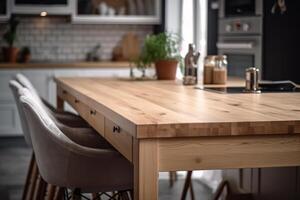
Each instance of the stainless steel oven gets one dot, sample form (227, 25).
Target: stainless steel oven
(242, 52)
(240, 34)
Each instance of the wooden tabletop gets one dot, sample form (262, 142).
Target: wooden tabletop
(157, 109)
(51, 65)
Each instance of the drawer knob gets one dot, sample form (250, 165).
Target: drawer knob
(76, 101)
(116, 129)
(93, 112)
(64, 92)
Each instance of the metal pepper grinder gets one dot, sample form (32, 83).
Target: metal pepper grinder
(191, 67)
(252, 77)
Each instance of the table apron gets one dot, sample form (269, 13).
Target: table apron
(228, 152)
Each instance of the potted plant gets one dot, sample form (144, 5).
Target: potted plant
(163, 51)
(25, 55)
(10, 36)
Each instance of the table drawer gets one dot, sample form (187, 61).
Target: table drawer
(94, 118)
(119, 138)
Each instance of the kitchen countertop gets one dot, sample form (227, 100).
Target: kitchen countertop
(51, 65)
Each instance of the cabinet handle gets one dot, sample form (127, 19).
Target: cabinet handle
(64, 92)
(76, 101)
(116, 129)
(93, 112)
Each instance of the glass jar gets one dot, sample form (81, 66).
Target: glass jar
(209, 64)
(220, 70)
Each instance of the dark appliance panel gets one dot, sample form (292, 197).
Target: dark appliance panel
(281, 41)
(41, 2)
(239, 8)
(3, 8)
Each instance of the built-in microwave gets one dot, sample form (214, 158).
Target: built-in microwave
(240, 8)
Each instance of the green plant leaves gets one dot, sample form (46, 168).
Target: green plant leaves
(164, 46)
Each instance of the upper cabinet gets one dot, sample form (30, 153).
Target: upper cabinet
(4, 10)
(117, 11)
(52, 7)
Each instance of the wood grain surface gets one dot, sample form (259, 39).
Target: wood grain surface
(161, 109)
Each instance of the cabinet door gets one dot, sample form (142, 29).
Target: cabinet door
(5, 77)
(9, 120)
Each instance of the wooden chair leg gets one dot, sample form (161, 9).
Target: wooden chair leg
(76, 194)
(192, 190)
(28, 177)
(51, 189)
(187, 184)
(172, 178)
(59, 193)
(40, 189)
(33, 180)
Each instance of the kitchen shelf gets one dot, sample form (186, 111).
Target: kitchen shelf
(47, 65)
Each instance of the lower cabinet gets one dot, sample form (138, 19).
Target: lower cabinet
(43, 81)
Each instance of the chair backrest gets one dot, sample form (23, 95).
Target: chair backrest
(25, 82)
(50, 145)
(18, 90)
(64, 163)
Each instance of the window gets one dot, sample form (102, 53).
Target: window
(194, 27)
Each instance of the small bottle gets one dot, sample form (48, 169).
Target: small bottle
(220, 70)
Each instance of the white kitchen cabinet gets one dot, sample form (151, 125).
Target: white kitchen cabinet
(43, 81)
(132, 12)
(9, 118)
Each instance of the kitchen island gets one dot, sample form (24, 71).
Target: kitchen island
(165, 126)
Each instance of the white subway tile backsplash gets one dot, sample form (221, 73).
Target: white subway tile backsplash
(56, 39)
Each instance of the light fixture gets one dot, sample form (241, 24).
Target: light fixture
(43, 14)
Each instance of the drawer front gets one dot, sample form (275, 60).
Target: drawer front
(120, 139)
(94, 118)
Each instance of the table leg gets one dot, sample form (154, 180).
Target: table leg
(145, 155)
(59, 104)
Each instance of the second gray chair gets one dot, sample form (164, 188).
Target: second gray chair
(66, 118)
(65, 163)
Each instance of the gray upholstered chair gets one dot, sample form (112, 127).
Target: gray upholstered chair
(64, 163)
(83, 136)
(64, 117)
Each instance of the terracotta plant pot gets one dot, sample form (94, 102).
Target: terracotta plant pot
(10, 54)
(166, 69)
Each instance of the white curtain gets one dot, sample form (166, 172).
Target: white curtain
(193, 29)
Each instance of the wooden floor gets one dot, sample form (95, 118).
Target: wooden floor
(14, 159)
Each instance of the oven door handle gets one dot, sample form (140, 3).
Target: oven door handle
(235, 45)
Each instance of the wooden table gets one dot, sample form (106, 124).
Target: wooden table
(165, 126)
